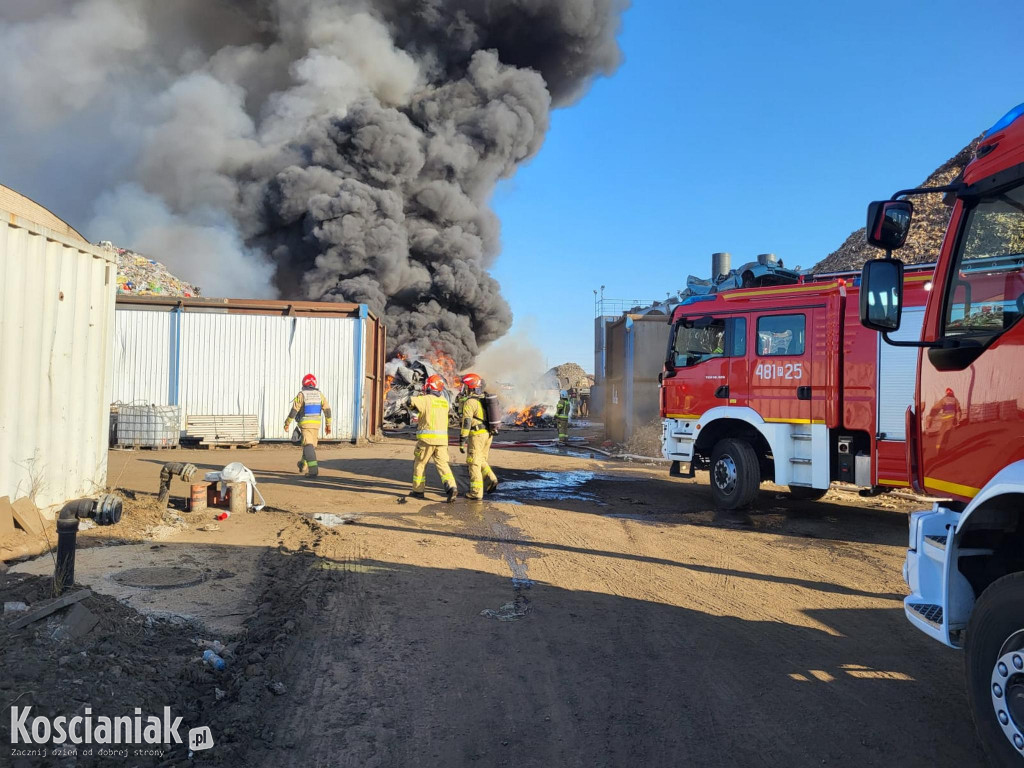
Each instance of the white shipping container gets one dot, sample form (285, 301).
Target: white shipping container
(211, 362)
(56, 324)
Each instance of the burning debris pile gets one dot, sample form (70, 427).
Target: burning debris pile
(405, 378)
(531, 417)
(529, 405)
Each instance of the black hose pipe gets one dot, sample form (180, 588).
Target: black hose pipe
(170, 469)
(105, 511)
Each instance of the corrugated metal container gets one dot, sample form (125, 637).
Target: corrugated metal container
(56, 325)
(636, 349)
(245, 357)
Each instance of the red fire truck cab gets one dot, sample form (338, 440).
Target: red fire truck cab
(784, 384)
(965, 559)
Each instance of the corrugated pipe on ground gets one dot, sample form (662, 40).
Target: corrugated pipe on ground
(105, 511)
(185, 471)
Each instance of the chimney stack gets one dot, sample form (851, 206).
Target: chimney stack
(721, 263)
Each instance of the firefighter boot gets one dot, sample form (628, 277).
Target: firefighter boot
(490, 485)
(309, 459)
(417, 495)
(452, 491)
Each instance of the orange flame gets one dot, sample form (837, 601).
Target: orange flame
(443, 364)
(527, 417)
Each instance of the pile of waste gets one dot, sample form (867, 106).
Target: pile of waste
(141, 276)
(404, 379)
(568, 376)
(931, 215)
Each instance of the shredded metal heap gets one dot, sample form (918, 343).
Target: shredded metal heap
(931, 215)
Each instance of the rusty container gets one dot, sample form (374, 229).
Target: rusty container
(198, 497)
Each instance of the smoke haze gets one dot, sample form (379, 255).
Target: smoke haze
(325, 149)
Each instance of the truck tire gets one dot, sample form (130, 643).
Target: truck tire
(803, 493)
(735, 474)
(995, 657)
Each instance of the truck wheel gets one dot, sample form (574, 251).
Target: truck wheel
(735, 474)
(994, 664)
(802, 493)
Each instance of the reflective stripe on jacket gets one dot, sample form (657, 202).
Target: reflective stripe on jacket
(473, 411)
(433, 418)
(562, 409)
(309, 406)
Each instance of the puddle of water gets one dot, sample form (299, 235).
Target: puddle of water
(576, 453)
(547, 486)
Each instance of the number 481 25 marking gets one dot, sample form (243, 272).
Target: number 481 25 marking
(779, 370)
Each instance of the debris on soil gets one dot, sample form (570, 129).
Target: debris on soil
(75, 624)
(15, 606)
(332, 520)
(277, 688)
(645, 440)
(508, 612)
(123, 661)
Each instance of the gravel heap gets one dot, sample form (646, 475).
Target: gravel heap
(141, 276)
(931, 215)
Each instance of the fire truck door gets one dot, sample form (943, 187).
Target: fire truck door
(969, 408)
(780, 367)
(700, 354)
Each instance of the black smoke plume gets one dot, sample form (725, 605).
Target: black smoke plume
(325, 149)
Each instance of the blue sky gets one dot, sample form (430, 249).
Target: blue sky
(725, 123)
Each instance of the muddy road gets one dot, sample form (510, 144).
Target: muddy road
(591, 613)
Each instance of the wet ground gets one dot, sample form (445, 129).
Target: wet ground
(590, 612)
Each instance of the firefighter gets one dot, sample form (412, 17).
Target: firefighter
(309, 406)
(476, 434)
(562, 411)
(432, 438)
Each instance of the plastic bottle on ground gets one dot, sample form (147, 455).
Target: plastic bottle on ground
(213, 660)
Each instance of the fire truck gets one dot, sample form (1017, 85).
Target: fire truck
(784, 384)
(965, 426)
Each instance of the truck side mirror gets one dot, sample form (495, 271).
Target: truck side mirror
(889, 223)
(881, 294)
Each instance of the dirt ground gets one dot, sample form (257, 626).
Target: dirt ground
(590, 613)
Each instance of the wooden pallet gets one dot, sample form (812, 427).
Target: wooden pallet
(222, 430)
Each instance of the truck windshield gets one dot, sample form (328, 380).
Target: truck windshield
(986, 294)
(691, 345)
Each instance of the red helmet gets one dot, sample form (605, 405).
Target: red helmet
(472, 381)
(433, 384)
(309, 380)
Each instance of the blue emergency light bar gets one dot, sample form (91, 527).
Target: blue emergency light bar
(1006, 120)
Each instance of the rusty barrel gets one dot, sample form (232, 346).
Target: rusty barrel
(197, 497)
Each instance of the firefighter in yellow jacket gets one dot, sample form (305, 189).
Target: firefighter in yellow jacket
(432, 438)
(309, 406)
(475, 432)
(562, 412)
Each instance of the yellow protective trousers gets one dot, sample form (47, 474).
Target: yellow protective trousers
(478, 446)
(423, 455)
